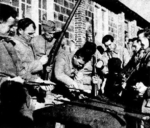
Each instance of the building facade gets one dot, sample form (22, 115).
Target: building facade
(106, 21)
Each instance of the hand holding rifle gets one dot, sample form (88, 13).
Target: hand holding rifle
(37, 82)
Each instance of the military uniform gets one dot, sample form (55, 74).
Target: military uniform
(64, 70)
(143, 75)
(27, 58)
(11, 65)
(144, 69)
(86, 72)
(41, 46)
(139, 73)
(118, 52)
(141, 67)
(9, 62)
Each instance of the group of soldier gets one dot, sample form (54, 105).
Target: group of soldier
(122, 73)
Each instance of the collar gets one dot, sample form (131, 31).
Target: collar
(111, 51)
(23, 40)
(147, 50)
(115, 50)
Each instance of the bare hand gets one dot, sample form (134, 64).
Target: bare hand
(16, 79)
(48, 88)
(100, 64)
(73, 86)
(44, 59)
(49, 68)
(140, 87)
(95, 80)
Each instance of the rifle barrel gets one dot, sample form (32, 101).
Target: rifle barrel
(140, 116)
(57, 43)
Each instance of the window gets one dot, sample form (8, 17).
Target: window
(26, 8)
(13, 3)
(42, 10)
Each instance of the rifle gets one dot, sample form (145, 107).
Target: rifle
(127, 72)
(140, 116)
(57, 43)
(26, 82)
(94, 73)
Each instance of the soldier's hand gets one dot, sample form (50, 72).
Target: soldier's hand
(49, 68)
(140, 87)
(48, 88)
(105, 70)
(16, 79)
(73, 86)
(100, 64)
(39, 80)
(95, 79)
(44, 59)
(124, 85)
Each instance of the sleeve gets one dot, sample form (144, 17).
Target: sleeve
(147, 72)
(2, 80)
(35, 66)
(38, 45)
(126, 57)
(60, 75)
(31, 66)
(98, 55)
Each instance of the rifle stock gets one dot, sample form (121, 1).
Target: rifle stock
(57, 43)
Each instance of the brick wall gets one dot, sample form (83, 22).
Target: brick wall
(62, 9)
(82, 19)
(59, 10)
(77, 27)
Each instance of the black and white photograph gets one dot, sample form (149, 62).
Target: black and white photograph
(74, 63)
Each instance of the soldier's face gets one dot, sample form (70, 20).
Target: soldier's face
(49, 36)
(6, 26)
(28, 33)
(109, 45)
(78, 62)
(136, 46)
(144, 41)
(89, 38)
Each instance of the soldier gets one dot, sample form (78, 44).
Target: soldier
(31, 66)
(87, 71)
(9, 61)
(9, 67)
(25, 32)
(141, 78)
(112, 50)
(42, 44)
(137, 55)
(67, 66)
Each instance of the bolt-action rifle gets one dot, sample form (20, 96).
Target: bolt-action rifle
(106, 109)
(94, 73)
(27, 82)
(57, 43)
(130, 69)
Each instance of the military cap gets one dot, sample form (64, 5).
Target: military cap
(49, 26)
